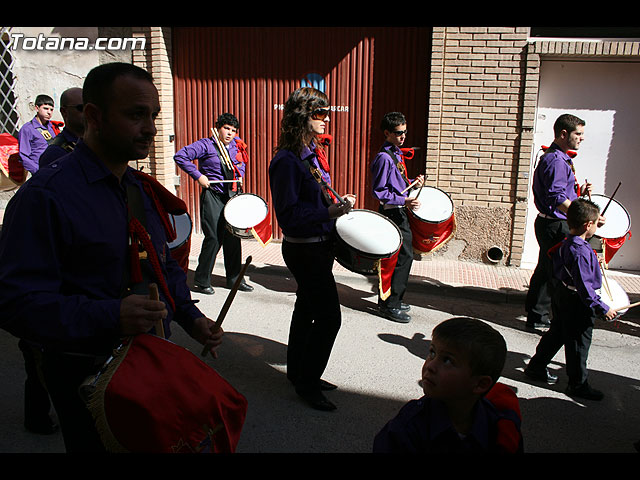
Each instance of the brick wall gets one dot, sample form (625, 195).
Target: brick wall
(476, 120)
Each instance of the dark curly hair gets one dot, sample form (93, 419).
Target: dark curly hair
(294, 126)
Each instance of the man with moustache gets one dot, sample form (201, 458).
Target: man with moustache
(66, 269)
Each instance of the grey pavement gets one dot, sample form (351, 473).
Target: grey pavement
(376, 363)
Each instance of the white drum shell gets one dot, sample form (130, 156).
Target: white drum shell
(618, 297)
(243, 212)
(369, 233)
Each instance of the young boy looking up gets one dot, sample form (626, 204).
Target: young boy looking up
(465, 360)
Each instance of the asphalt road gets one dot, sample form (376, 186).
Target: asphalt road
(376, 364)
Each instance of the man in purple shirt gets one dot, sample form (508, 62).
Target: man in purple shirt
(34, 136)
(554, 188)
(389, 180)
(71, 110)
(67, 282)
(219, 181)
(576, 302)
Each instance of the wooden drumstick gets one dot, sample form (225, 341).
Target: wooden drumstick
(410, 186)
(610, 199)
(153, 295)
(606, 282)
(227, 303)
(628, 306)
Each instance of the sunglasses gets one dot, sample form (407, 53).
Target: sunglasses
(399, 133)
(320, 114)
(78, 107)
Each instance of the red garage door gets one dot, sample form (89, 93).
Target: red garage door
(250, 72)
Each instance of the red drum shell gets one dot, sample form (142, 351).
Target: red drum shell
(430, 232)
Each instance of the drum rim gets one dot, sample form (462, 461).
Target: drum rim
(624, 209)
(367, 254)
(243, 229)
(174, 247)
(435, 222)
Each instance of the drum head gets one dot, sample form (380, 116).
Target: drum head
(618, 220)
(618, 297)
(435, 205)
(245, 211)
(369, 232)
(182, 224)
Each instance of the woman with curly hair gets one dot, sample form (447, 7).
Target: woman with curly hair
(306, 211)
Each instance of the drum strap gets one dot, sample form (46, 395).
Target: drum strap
(229, 170)
(144, 261)
(399, 163)
(317, 175)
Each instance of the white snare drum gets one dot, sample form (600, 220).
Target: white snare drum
(618, 220)
(182, 224)
(363, 238)
(435, 205)
(243, 212)
(433, 223)
(618, 297)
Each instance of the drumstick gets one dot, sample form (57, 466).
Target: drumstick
(588, 192)
(153, 295)
(227, 303)
(410, 186)
(223, 149)
(610, 199)
(628, 306)
(606, 282)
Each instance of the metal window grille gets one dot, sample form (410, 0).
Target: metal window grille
(9, 119)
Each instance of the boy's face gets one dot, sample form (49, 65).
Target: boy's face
(396, 136)
(44, 113)
(446, 373)
(226, 133)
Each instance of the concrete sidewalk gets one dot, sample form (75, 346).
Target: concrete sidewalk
(497, 283)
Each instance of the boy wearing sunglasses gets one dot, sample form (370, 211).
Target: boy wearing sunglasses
(389, 182)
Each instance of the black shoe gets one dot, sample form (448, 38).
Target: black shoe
(537, 323)
(206, 290)
(405, 307)
(243, 287)
(584, 391)
(316, 400)
(541, 376)
(326, 386)
(42, 427)
(394, 314)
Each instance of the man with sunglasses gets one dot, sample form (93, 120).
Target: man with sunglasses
(389, 182)
(72, 112)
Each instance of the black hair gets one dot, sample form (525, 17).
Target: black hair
(227, 119)
(483, 346)
(566, 122)
(97, 85)
(43, 99)
(391, 120)
(582, 211)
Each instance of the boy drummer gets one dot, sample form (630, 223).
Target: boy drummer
(575, 303)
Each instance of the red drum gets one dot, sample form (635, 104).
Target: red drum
(181, 246)
(363, 238)
(154, 396)
(433, 224)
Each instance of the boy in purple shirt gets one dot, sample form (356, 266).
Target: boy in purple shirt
(389, 182)
(34, 136)
(464, 409)
(575, 303)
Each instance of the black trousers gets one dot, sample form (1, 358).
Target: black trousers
(63, 373)
(316, 316)
(400, 277)
(538, 302)
(216, 235)
(572, 328)
(36, 398)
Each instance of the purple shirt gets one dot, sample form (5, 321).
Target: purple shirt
(576, 264)
(387, 181)
(298, 200)
(553, 182)
(63, 252)
(32, 143)
(424, 426)
(209, 164)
